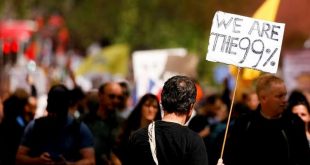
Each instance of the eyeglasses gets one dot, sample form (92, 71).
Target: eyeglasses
(113, 96)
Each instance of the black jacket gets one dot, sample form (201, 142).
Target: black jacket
(254, 140)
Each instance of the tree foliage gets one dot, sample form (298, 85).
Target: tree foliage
(143, 24)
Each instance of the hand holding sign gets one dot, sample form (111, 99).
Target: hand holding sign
(245, 42)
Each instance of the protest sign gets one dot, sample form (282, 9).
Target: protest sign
(296, 70)
(149, 68)
(112, 60)
(245, 42)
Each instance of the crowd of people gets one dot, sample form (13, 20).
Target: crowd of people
(102, 127)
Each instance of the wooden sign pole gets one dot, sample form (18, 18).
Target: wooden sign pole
(230, 111)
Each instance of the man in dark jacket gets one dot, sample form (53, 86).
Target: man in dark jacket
(268, 136)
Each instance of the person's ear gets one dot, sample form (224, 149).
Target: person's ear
(190, 110)
(262, 98)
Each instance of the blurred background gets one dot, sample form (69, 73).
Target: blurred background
(142, 42)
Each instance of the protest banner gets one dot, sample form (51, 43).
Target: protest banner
(245, 42)
(296, 69)
(112, 60)
(149, 68)
(189, 66)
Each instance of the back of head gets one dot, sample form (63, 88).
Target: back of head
(58, 100)
(76, 95)
(178, 94)
(265, 81)
(15, 104)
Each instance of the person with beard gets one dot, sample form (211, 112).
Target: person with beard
(57, 138)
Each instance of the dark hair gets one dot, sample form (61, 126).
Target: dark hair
(125, 88)
(15, 104)
(125, 94)
(135, 116)
(58, 100)
(102, 87)
(297, 98)
(211, 100)
(133, 121)
(178, 94)
(76, 95)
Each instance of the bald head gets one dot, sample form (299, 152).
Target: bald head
(110, 95)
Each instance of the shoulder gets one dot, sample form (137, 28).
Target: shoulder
(84, 128)
(41, 119)
(75, 127)
(198, 123)
(193, 137)
(78, 125)
(81, 132)
(296, 120)
(89, 118)
(29, 134)
(243, 122)
(29, 127)
(138, 139)
(293, 120)
(31, 124)
(36, 124)
(140, 134)
(42, 123)
(246, 117)
(176, 131)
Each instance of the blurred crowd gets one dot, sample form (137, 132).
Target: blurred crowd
(111, 117)
(92, 124)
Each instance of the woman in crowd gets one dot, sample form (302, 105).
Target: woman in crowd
(298, 104)
(146, 111)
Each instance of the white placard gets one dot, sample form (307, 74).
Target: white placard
(149, 66)
(295, 65)
(245, 42)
